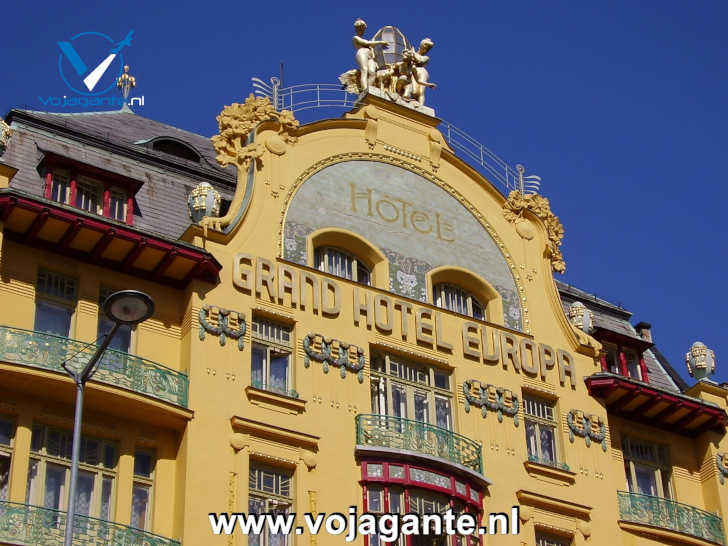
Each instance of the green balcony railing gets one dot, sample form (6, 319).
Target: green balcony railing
(131, 372)
(24, 524)
(397, 433)
(669, 514)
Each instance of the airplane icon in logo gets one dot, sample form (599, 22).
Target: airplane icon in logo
(93, 77)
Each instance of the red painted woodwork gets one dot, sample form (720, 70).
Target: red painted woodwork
(130, 210)
(73, 192)
(48, 189)
(107, 201)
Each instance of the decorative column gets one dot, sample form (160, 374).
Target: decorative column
(622, 362)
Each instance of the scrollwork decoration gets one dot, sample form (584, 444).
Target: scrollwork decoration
(482, 400)
(586, 430)
(223, 329)
(342, 361)
(720, 462)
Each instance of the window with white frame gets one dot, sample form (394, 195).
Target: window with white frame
(546, 539)
(55, 303)
(270, 491)
(89, 195)
(342, 264)
(647, 468)
(141, 493)
(454, 298)
(271, 356)
(409, 390)
(60, 186)
(49, 472)
(7, 429)
(117, 204)
(540, 420)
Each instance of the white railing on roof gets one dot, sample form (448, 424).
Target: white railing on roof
(328, 95)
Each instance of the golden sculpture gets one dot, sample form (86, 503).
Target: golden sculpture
(4, 134)
(513, 210)
(404, 79)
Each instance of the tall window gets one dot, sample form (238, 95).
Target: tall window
(540, 430)
(614, 363)
(647, 467)
(60, 187)
(89, 196)
(454, 298)
(117, 205)
(271, 356)
(546, 539)
(55, 303)
(122, 339)
(50, 471)
(6, 454)
(342, 264)
(270, 492)
(141, 493)
(405, 389)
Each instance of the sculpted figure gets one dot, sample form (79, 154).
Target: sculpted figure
(358, 81)
(414, 66)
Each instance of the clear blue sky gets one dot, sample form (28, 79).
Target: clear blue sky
(620, 107)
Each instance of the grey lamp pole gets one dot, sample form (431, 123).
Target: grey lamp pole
(124, 307)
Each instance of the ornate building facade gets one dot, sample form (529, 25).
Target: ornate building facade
(348, 314)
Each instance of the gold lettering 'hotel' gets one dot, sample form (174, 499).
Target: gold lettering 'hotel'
(351, 312)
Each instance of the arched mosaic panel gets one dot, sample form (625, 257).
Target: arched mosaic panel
(415, 223)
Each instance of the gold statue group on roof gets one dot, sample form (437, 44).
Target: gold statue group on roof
(405, 77)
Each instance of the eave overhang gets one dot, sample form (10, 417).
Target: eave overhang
(641, 402)
(639, 344)
(38, 222)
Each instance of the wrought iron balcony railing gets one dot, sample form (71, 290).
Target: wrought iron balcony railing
(24, 524)
(131, 372)
(397, 433)
(669, 514)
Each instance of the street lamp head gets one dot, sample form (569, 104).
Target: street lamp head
(128, 307)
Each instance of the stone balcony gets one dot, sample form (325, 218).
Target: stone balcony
(126, 371)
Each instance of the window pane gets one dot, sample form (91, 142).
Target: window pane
(646, 480)
(84, 492)
(255, 506)
(279, 371)
(442, 380)
(139, 506)
(4, 476)
(52, 319)
(548, 445)
(55, 482)
(32, 481)
(142, 464)
(531, 442)
(399, 401)
(59, 188)
(443, 413)
(6, 432)
(121, 340)
(421, 407)
(87, 197)
(258, 365)
(374, 497)
(117, 203)
(106, 498)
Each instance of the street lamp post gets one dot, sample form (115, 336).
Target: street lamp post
(128, 307)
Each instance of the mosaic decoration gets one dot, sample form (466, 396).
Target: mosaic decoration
(425, 476)
(483, 400)
(324, 355)
(418, 224)
(586, 428)
(720, 462)
(210, 314)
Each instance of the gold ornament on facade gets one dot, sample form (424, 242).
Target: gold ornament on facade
(5, 133)
(126, 82)
(513, 210)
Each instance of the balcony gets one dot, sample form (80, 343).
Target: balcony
(414, 436)
(47, 351)
(23, 524)
(671, 515)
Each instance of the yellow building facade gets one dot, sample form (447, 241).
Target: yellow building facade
(368, 322)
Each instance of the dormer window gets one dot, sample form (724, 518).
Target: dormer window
(175, 147)
(623, 361)
(342, 264)
(93, 195)
(459, 300)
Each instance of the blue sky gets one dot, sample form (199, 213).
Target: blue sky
(620, 107)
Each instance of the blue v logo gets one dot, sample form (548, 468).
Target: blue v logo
(90, 44)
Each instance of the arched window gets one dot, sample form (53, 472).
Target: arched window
(454, 298)
(342, 264)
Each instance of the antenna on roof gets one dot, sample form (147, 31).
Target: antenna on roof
(282, 80)
(527, 185)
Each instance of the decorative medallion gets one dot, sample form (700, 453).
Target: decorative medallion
(493, 398)
(581, 424)
(321, 349)
(223, 323)
(720, 462)
(700, 361)
(513, 210)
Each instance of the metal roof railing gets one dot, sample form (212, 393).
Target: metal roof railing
(327, 95)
